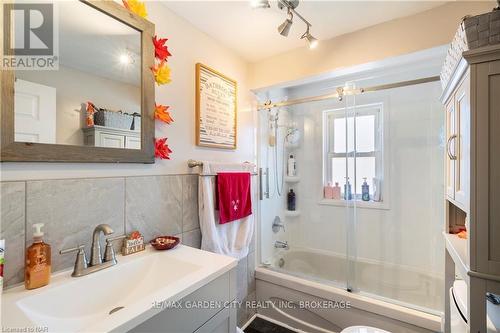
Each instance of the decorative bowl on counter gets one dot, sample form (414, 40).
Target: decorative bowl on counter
(165, 242)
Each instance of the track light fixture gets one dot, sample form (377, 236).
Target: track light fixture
(311, 41)
(284, 28)
(260, 4)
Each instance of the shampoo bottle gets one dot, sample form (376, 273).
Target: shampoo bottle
(292, 165)
(365, 191)
(291, 200)
(336, 191)
(38, 261)
(328, 191)
(347, 190)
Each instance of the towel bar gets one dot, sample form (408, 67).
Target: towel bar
(194, 164)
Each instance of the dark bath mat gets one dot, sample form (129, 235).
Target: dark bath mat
(259, 325)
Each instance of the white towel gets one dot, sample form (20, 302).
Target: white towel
(231, 239)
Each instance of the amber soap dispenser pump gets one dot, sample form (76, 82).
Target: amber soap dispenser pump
(38, 261)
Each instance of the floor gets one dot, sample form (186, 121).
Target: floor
(259, 325)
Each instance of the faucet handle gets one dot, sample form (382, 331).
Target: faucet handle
(109, 253)
(73, 249)
(81, 259)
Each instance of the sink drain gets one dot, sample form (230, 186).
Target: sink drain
(118, 308)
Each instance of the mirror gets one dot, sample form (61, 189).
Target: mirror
(97, 103)
(94, 97)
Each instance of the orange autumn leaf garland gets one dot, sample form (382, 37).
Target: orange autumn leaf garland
(162, 114)
(162, 150)
(161, 50)
(137, 7)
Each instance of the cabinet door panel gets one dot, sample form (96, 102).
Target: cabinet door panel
(450, 163)
(112, 140)
(462, 144)
(133, 142)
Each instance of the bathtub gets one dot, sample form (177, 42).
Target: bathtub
(398, 299)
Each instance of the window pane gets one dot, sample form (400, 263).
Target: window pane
(339, 133)
(339, 171)
(365, 133)
(365, 167)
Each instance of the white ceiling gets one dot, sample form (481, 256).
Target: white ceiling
(252, 33)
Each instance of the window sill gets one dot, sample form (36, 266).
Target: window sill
(358, 203)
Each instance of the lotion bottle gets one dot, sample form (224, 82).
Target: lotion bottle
(38, 261)
(292, 166)
(336, 191)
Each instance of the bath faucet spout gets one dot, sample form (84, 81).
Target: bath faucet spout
(281, 245)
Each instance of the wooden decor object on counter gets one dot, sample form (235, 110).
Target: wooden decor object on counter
(133, 243)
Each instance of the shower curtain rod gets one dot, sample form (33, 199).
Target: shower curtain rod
(340, 93)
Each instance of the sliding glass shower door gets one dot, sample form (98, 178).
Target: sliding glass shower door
(398, 224)
(368, 190)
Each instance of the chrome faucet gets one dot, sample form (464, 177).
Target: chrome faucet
(281, 245)
(82, 266)
(95, 255)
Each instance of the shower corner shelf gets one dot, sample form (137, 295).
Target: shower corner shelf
(292, 179)
(292, 213)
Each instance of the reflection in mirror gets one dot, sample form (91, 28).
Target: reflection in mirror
(94, 98)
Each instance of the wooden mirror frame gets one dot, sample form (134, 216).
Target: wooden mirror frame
(11, 151)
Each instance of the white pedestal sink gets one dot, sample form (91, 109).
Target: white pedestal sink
(127, 291)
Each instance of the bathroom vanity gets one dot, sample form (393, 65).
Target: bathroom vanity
(180, 290)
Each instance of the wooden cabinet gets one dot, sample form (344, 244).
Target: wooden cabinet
(472, 104)
(102, 136)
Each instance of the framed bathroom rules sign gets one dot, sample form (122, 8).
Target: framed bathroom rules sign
(216, 109)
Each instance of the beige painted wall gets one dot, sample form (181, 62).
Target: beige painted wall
(404, 35)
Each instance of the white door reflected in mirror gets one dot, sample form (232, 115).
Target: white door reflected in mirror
(35, 112)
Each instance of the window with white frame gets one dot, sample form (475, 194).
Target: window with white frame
(353, 144)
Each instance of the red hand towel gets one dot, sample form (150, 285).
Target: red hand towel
(233, 196)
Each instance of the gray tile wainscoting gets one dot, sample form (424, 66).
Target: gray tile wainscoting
(154, 205)
(71, 208)
(12, 225)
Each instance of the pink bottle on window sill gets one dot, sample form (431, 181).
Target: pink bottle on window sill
(328, 191)
(336, 191)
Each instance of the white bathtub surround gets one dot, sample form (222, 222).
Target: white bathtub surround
(233, 238)
(148, 277)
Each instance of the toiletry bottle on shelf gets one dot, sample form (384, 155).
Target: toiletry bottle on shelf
(336, 191)
(38, 261)
(292, 166)
(291, 200)
(328, 191)
(365, 191)
(347, 190)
